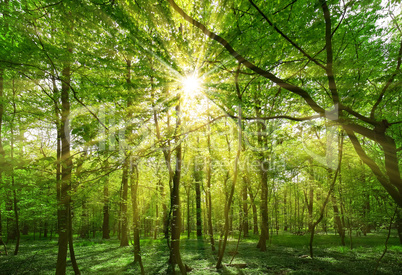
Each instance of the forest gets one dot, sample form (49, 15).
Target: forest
(200, 137)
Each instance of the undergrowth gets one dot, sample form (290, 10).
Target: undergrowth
(286, 254)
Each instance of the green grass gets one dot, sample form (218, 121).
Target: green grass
(285, 255)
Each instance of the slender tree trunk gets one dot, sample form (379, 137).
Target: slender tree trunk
(124, 218)
(188, 213)
(15, 204)
(331, 189)
(105, 224)
(17, 227)
(136, 219)
(208, 191)
(338, 221)
(167, 156)
(235, 175)
(198, 179)
(285, 210)
(263, 171)
(125, 168)
(255, 213)
(245, 208)
(175, 224)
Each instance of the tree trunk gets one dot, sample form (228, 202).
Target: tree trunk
(125, 168)
(198, 179)
(136, 220)
(66, 161)
(17, 227)
(15, 204)
(255, 214)
(245, 208)
(264, 236)
(105, 224)
(188, 213)
(235, 175)
(70, 242)
(285, 213)
(338, 222)
(123, 213)
(208, 190)
(175, 223)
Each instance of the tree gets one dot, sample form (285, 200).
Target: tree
(353, 118)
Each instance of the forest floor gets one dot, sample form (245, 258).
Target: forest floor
(286, 254)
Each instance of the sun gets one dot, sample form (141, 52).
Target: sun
(191, 84)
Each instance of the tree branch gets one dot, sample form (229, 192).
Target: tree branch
(372, 165)
(286, 37)
(294, 89)
(328, 46)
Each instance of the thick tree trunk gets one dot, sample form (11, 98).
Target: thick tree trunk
(70, 242)
(64, 202)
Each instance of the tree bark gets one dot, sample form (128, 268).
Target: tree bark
(391, 179)
(262, 142)
(105, 223)
(123, 213)
(245, 208)
(338, 221)
(15, 204)
(235, 175)
(208, 190)
(70, 242)
(175, 224)
(66, 161)
(136, 219)
(255, 213)
(198, 179)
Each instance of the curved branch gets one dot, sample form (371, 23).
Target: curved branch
(292, 88)
(373, 166)
(358, 116)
